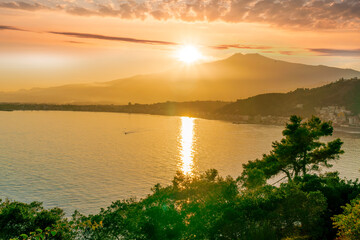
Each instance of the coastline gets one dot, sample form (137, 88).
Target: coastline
(151, 110)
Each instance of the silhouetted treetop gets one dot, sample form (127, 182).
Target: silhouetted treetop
(298, 153)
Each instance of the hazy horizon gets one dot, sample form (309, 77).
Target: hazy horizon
(172, 68)
(236, 77)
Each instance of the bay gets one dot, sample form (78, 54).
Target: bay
(86, 160)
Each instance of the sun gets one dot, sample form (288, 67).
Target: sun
(189, 54)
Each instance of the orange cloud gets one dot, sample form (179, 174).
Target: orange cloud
(239, 46)
(336, 52)
(112, 38)
(311, 14)
(2, 27)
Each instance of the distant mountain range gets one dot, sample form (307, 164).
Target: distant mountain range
(342, 93)
(238, 76)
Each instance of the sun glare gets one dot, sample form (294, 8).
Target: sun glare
(189, 54)
(186, 145)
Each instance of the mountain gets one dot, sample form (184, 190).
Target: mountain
(301, 101)
(238, 76)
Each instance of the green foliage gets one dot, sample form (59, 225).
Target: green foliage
(185, 210)
(20, 221)
(272, 213)
(337, 192)
(348, 222)
(298, 153)
(38, 234)
(207, 206)
(18, 218)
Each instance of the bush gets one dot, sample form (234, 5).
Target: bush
(348, 222)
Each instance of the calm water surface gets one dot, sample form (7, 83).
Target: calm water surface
(84, 161)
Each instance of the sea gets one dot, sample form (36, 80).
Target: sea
(86, 160)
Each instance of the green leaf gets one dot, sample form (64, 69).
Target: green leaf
(53, 233)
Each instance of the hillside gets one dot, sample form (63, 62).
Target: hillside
(301, 101)
(342, 93)
(238, 76)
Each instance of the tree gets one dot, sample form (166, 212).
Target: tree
(348, 223)
(298, 153)
(338, 192)
(20, 218)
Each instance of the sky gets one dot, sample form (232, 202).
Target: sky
(48, 43)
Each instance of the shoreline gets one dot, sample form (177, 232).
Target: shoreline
(234, 119)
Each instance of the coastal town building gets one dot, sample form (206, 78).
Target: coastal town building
(339, 115)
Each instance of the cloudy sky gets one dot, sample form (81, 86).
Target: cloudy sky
(49, 43)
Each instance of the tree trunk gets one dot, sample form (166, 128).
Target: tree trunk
(287, 174)
(304, 164)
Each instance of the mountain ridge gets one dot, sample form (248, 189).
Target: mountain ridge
(338, 101)
(302, 101)
(238, 76)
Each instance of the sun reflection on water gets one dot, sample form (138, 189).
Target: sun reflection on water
(186, 145)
